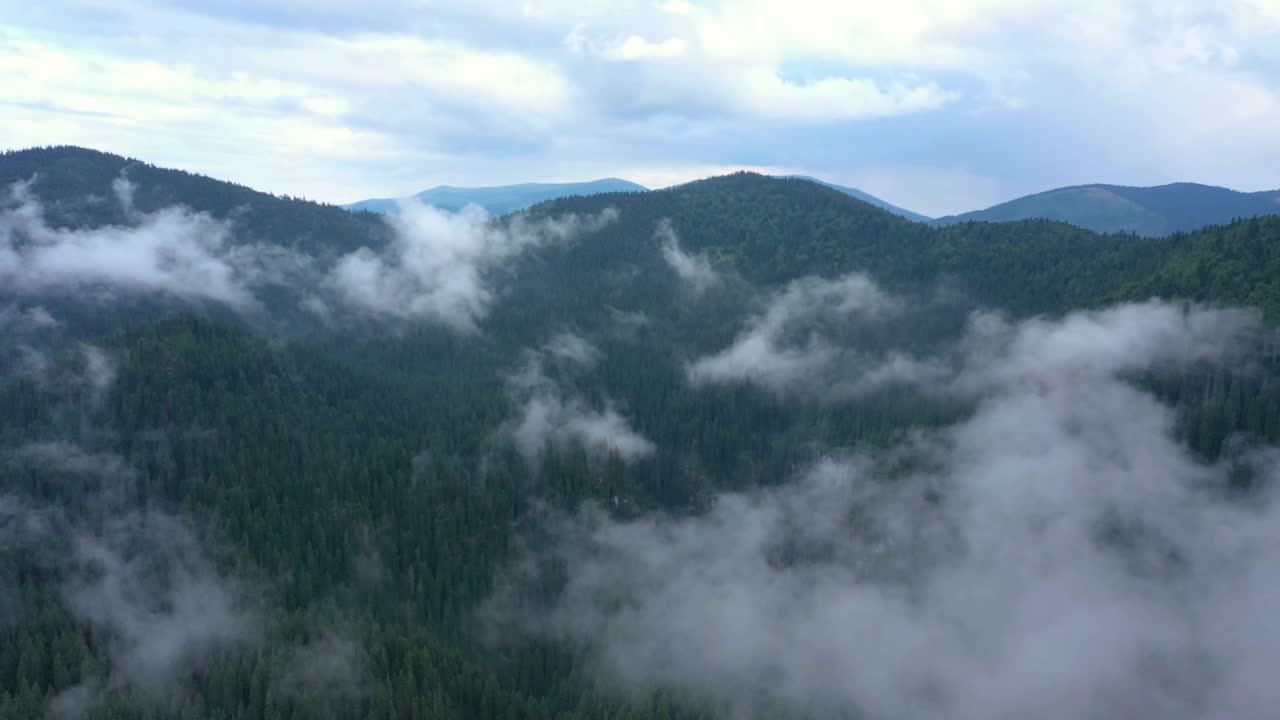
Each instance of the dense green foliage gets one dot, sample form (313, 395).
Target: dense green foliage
(360, 479)
(771, 231)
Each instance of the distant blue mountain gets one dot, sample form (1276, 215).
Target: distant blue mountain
(867, 198)
(499, 200)
(1150, 211)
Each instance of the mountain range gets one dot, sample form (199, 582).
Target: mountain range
(1146, 211)
(503, 199)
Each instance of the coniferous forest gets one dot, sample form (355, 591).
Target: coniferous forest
(669, 454)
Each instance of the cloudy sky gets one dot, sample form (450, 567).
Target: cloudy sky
(936, 105)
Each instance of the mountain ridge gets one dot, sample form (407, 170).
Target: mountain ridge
(498, 199)
(866, 197)
(1151, 211)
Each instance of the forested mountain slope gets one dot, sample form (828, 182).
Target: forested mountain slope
(263, 458)
(773, 231)
(76, 187)
(767, 230)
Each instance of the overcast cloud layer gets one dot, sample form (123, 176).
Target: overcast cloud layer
(1058, 554)
(935, 106)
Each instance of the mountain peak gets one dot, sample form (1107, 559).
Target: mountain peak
(867, 198)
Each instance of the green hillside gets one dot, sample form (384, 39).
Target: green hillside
(348, 493)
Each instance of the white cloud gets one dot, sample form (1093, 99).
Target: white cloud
(65, 457)
(1088, 344)
(159, 631)
(572, 348)
(807, 342)
(177, 113)
(678, 7)
(638, 48)
(694, 271)
(576, 41)
(303, 114)
(100, 370)
(623, 49)
(144, 580)
(1180, 61)
(332, 667)
(784, 348)
(1259, 15)
(437, 266)
(763, 92)
(490, 81)
(551, 415)
(174, 252)
(16, 321)
(1058, 553)
(97, 83)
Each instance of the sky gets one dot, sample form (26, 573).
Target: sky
(938, 106)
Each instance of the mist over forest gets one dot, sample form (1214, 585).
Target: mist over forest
(749, 447)
(640, 360)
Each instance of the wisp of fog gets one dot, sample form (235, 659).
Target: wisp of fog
(550, 414)
(1055, 554)
(438, 267)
